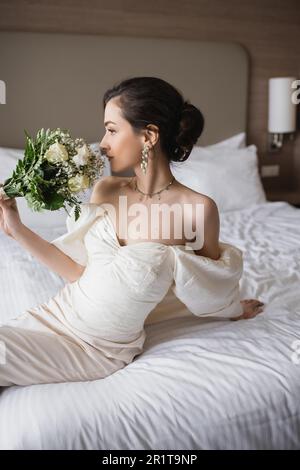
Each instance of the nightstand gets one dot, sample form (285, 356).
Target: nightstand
(292, 197)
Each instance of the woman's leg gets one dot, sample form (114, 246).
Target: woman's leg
(33, 357)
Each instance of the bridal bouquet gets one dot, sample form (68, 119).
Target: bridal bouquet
(55, 167)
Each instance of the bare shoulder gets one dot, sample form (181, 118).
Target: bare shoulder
(105, 187)
(211, 224)
(193, 197)
(210, 206)
(211, 212)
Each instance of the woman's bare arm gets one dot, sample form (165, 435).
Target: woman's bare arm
(46, 252)
(211, 229)
(49, 254)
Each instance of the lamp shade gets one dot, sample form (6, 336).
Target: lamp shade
(282, 111)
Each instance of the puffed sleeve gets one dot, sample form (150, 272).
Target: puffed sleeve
(72, 242)
(209, 287)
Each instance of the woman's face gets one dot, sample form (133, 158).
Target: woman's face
(119, 142)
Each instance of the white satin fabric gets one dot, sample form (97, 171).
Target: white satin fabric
(95, 326)
(121, 285)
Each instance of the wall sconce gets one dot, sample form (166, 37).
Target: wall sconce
(282, 112)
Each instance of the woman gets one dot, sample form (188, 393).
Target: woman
(117, 272)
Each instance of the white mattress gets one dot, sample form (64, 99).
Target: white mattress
(200, 384)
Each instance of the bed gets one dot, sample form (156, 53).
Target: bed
(200, 383)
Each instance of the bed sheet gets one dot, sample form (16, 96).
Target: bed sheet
(200, 383)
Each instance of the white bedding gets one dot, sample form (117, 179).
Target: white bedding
(200, 383)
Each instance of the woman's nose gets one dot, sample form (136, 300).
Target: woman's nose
(102, 146)
(103, 150)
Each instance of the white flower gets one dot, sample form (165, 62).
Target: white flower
(56, 153)
(78, 183)
(82, 156)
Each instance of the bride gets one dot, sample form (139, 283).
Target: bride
(119, 266)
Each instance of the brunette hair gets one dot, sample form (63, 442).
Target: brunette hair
(151, 100)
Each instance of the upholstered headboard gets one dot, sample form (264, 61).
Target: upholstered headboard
(58, 80)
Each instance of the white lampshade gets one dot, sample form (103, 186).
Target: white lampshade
(282, 111)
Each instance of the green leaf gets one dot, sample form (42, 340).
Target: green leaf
(77, 212)
(53, 200)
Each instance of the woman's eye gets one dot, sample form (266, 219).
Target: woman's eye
(111, 130)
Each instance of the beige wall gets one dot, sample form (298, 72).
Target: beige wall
(268, 29)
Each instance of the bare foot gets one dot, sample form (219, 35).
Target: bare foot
(251, 307)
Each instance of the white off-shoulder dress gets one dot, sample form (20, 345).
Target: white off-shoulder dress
(95, 326)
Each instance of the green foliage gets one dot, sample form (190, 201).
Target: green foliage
(44, 183)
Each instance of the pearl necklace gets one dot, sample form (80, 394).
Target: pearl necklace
(157, 192)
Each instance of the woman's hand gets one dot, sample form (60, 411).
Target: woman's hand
(10, 222)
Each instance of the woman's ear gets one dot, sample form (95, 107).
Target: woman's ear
(152, 134)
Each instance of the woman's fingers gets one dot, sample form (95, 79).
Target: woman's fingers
(11, 202)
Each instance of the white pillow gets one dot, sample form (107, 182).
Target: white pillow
(235, 142)
(229, 176)
(8, 159)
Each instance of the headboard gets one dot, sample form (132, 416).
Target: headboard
(58, 80)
